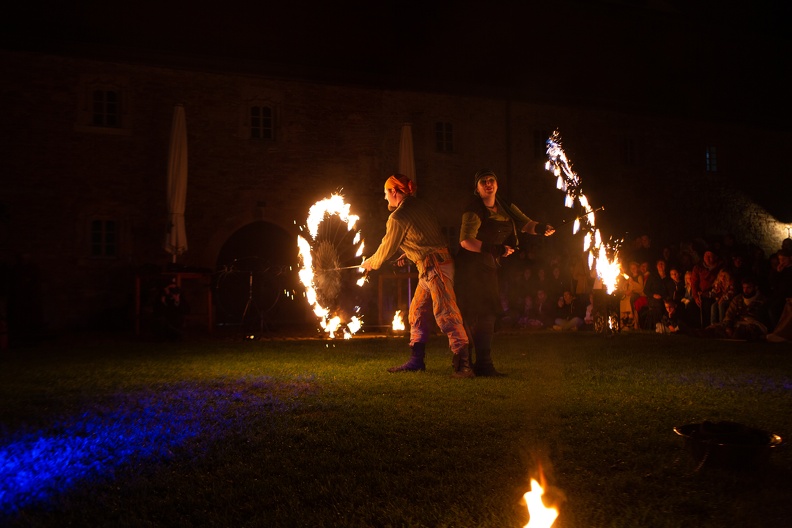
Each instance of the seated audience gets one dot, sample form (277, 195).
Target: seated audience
(671, 322)
(746, 317)
(702, 279)
(781, 286)
(722, 294)
(568, 313)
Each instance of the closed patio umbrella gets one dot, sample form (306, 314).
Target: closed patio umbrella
(406, 157)
(407, 167)
(176, 237)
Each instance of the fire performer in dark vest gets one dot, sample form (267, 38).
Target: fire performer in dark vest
(489, 233)
(414, 229)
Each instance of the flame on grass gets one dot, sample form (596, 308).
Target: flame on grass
(602, 256)
(540, 516)
(321, 264)
(398, 322)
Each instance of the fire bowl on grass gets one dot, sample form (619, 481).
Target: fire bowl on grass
(728, 445)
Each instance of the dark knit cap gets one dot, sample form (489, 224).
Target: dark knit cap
(483, 173)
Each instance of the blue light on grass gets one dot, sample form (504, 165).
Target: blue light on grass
(36, 466)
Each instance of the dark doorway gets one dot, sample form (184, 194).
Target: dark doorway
(256, 285)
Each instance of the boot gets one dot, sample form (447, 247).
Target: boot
(484, 366)
(416, 361)
(460, 365)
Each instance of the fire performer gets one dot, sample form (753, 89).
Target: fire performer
(488, 234)
(413, 228)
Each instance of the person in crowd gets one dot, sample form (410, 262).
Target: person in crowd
(556, 282)
(569, 316)
(746, 317)
(527, 286)
(781, 286)
(687, 257)
(510, 310)
(413, 228)
(702, 279)
(633, 289)
(670, 254)
(542, 281)
(644, 251)
(530, 319)
(739, 267)
(544, 309)
(723, 291)
(759, 266)
(678, 284)
(671, 322)
(691, 312)
(657, 288)
(489, 233)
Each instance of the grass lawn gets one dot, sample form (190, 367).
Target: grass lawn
(285, 433)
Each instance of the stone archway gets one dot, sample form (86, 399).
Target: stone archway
(256, 285)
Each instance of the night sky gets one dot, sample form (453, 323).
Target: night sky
(693, 58)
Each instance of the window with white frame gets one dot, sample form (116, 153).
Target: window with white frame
(103, 105)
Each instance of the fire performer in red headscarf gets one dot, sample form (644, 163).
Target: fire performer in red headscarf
(489, 233)
(414, 229)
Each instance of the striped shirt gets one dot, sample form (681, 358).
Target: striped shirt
(412, 228)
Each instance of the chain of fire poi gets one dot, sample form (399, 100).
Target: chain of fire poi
(602, 256)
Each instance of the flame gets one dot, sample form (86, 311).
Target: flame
(603, 257)
(540, 516)
(398, 322)
(331, 323)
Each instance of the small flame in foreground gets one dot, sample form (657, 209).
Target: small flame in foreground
(602, 257)
(332, 206)
(398, 322)
(540, 515)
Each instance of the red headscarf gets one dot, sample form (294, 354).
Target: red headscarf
(402, 184)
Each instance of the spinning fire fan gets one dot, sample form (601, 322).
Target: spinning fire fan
(328, 250)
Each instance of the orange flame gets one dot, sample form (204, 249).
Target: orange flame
(332, 206)
(607, 267)
(540, 516)
(398, 322)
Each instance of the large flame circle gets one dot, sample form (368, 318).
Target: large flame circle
(329, 248)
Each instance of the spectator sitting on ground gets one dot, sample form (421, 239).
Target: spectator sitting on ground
(702, 279)
(722, 295)
(670, 322)
(568, 315)
(780, 287)
(544, 309)
(746, 317)
(658, 286)
(678, 284)
(530, 319)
